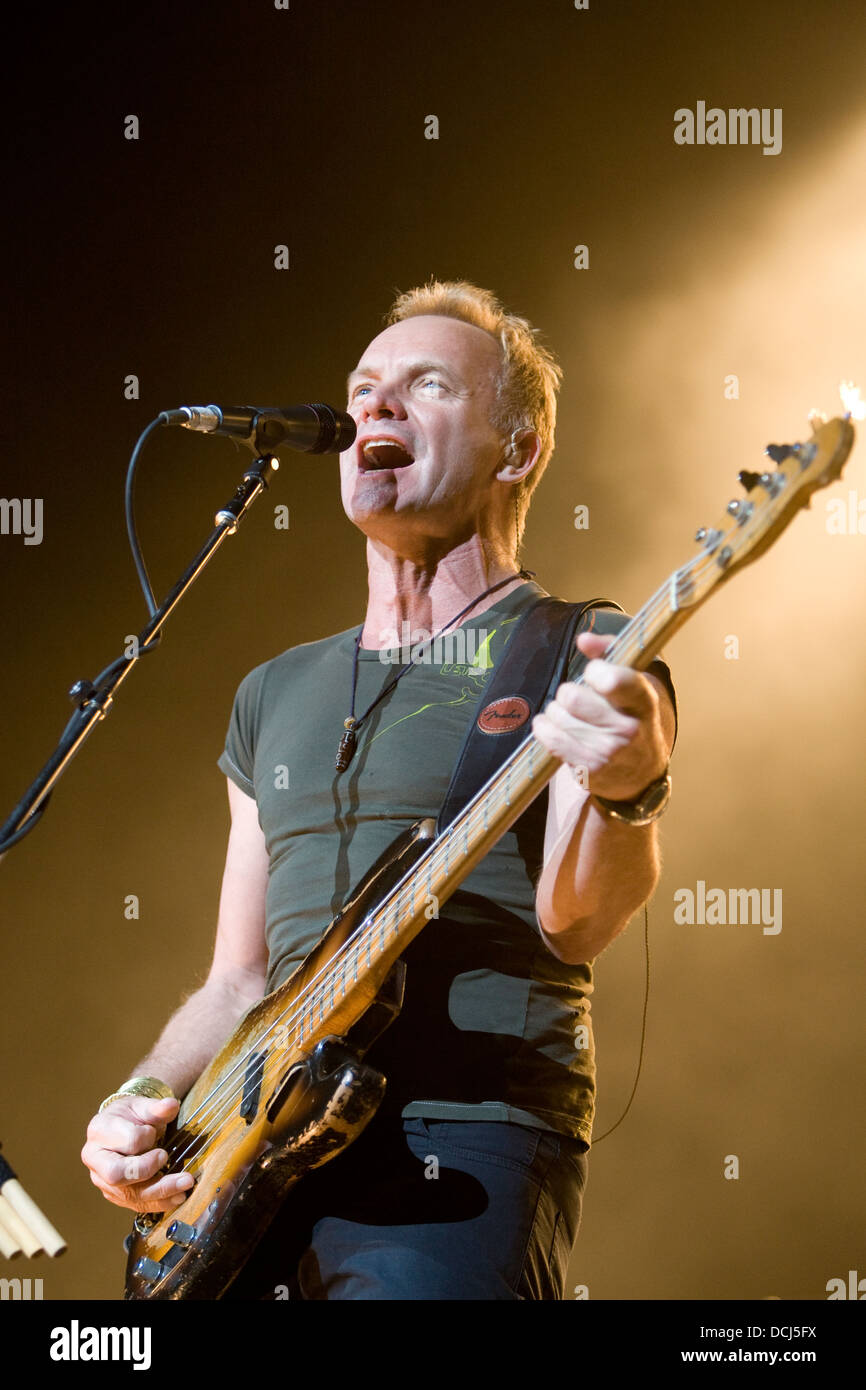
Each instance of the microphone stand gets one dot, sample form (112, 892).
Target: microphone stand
(94, 701)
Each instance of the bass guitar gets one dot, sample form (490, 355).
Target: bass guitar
(290, 1089)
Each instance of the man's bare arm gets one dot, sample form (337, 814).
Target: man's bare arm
(597, 871)
(120, 1150)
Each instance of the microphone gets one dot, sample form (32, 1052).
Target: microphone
(313, 429)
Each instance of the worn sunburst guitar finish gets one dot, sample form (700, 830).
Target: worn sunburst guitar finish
(290, 1090)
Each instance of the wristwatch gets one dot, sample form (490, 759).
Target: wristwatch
(645, 808)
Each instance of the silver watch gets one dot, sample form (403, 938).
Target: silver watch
(645, 808)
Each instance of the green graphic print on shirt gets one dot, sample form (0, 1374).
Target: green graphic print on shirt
(493, 1025)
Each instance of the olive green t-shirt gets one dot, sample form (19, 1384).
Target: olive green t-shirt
(493, 1026)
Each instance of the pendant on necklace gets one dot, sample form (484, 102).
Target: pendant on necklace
(348, 743)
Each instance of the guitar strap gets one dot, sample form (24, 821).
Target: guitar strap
(534, 663)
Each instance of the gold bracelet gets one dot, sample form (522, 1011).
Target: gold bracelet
(149, 1086)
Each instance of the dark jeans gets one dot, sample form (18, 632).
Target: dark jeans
(427, 1209)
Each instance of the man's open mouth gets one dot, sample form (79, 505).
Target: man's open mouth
(384, 453)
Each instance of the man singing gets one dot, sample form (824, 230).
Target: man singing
(468, 1182)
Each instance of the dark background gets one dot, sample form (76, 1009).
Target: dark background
(156, 257)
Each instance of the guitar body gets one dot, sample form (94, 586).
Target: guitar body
(287, 1092)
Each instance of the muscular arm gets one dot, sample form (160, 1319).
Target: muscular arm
(120, 1150)
(597, 871)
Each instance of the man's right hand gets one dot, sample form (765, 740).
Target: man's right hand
(123, 1155)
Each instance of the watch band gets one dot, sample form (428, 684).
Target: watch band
(643, 809)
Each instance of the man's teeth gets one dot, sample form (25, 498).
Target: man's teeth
(386, 453)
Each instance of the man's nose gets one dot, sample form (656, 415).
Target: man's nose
(382, 403)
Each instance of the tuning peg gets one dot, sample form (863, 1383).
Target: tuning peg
(779, 452)
(748, 480)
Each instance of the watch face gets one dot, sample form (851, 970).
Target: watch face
(648, 808)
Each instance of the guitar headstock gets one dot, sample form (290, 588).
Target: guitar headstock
(750, 524)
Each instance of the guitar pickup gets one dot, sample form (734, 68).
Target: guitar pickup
(252, 1085)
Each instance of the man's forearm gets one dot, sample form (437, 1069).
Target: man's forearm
(598, 874)
(195, 1033)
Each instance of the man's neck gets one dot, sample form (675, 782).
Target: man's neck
(427, 593)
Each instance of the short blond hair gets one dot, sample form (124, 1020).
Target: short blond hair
(529, 376)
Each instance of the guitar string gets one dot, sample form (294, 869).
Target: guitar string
(440, 850)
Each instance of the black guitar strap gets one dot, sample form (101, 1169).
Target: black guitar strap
(534, 663)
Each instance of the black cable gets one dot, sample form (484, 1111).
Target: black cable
(642, 1034)
(141, 567)
(26, 827)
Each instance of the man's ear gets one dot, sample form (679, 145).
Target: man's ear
(520, 455)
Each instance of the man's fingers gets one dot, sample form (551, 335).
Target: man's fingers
(132, 1124)
(163, 1195)
(119, 1170)
(612, 710)
(562, 735)
(123, 1135)
(624, 690)
(593, 644)
(123, 1154)
(155, 1111)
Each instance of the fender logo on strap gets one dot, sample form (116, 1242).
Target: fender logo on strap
(504, 715)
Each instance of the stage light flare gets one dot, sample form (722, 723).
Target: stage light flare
(852, 400)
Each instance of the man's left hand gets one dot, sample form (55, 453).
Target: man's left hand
(615, 730)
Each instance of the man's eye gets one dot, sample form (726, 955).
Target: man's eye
(358, 389)
(432, 381)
